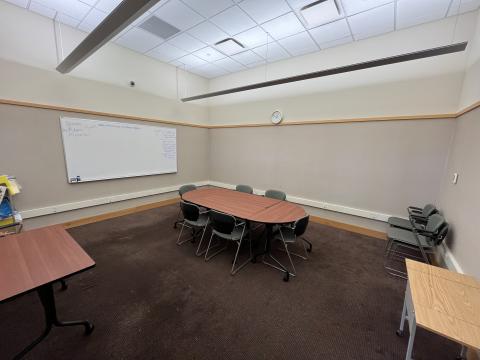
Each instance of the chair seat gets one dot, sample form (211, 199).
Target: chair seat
(234, 236)
(407, 237)
(288, 235)
(200, 222)
(400, 223)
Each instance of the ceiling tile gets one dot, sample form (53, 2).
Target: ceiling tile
(22, 3)
(372, 22)
(299, 44)
(209, 71)
(210, 7)
(186, 42)
(192, 61)
(178, 64)
(67, 20)
(139, 40)
(265, 10)
(209, 54)
(247, 57)
(330, 32)
(271, 52)
(414, 12)
(352, 7)
(179, 15)
(208, 33)
(73, 8)
(253, 37)
(284, 26)
(229, 64)
(107, 5)
(463, 6)
(256, 64)
(89, 2)
(166, 52)
(338, 42)
(233, 21)
(42, 10)
(91, 21)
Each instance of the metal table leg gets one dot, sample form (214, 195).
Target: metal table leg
(408, 313)
(463, 353)
(47, 298)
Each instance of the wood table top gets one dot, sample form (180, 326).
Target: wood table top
(246, 206)
(445, 302)
(37, 257)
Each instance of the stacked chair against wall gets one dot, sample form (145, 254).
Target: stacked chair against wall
(276, 194)
(182, 190)
(244, 188)
(416, 238)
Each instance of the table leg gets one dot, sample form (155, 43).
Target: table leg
(463, 353)
(408, 313)
(47, 298)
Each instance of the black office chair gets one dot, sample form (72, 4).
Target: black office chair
(420, 215)
(182, 190)
(230, 229)
(245, 189)
(195, 219)
(421, 239)
(276, 194)
(288, 235)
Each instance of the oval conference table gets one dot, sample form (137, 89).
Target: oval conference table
(253, 208)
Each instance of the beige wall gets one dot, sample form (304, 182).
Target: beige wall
(33, 152)
(376, 166)
(461, 202)
(434, 95)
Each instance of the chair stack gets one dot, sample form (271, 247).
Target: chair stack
(415, 238)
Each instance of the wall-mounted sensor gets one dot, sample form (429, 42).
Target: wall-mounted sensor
(455, 178)
(132, 83)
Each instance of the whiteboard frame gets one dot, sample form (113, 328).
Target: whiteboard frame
(114, 178)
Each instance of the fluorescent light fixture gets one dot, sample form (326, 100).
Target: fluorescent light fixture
(230, 46)
(442, 50)
(320, 12)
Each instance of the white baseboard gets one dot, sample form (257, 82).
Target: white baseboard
(54, 209)
(320, 204)
(450, 260)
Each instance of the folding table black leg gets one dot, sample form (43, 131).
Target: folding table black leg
(47, 297)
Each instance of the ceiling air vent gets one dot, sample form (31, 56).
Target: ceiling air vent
(320, 12)
(229, 46)
(159, 28)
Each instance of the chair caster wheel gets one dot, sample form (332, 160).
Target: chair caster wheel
(286, 277)
(89, 329)
(399, 333)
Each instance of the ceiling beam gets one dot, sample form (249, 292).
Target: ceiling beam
(437, 51)
(122, 16)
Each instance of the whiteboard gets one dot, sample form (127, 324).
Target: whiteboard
(100, 150)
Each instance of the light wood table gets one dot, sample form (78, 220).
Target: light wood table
(252, 208)
(32, 261)
(443, 302)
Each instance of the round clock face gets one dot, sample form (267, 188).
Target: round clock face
(277, 117)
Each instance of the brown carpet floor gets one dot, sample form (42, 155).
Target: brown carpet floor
(151, 299)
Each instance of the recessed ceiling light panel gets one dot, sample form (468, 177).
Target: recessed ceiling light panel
(230, 46)
(320, 12)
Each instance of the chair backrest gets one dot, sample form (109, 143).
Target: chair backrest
(276, 194)
(301, 226)
(186, 188)
(435, 222)
(442, 234)
(190, 211)
(223, 223)
(428, 210)
(245, 189)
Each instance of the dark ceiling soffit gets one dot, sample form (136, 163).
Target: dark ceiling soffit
(122, 16)
(442, 50)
